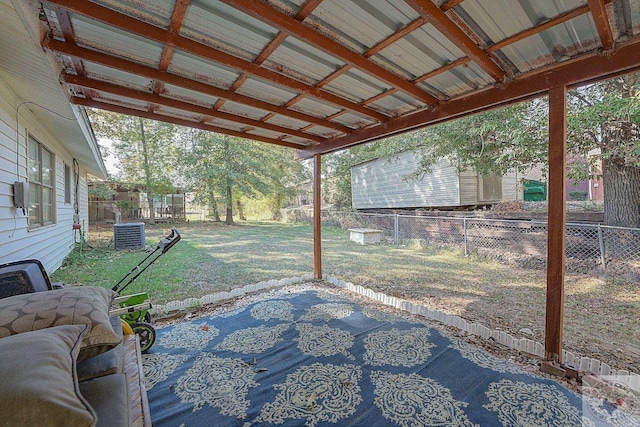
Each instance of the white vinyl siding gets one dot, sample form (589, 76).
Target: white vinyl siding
(52, 242)
(382, 184)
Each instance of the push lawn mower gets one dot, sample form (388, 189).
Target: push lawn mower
(134, 309)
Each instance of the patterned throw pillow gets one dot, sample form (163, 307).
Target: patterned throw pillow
(80, 305)
(39, 385)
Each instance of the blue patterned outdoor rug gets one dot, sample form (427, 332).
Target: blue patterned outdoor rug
(317, 358)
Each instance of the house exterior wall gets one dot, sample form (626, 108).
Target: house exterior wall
(51, 243)
(379, 184)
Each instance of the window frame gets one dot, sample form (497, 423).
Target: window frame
(38, 185)
(67, 184)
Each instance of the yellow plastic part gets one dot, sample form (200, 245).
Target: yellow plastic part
(126, 329)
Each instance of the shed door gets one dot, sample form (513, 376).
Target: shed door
(491, 188)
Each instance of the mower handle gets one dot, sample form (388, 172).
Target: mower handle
(167, 242)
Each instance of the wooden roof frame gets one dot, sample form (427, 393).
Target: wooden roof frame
(608, 55)
(436, 108)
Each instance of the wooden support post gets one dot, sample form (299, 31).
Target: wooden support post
(317, 220)
(557, 223)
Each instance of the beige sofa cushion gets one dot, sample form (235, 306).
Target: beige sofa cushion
(39, 385)
(79, 305)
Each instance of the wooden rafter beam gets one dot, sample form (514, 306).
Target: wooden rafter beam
(407, 29)
(439, 19)
(450, 4)
(289, 25)
(180, 105)
(601, 19)
(587, 69)
(305, 10)
(69, 36)
(151, 32)
(173, 79)
(564, 17)
(581, 10)
(426, 76)
(177, 18)
(176, 121)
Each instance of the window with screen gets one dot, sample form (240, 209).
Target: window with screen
(41, 184)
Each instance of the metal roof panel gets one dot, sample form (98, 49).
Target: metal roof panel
(554, 45)
(418, 53)
(458, 81)
(174, 112)
(157, 12)
(353, 120)
(235, 32)
(500, 19)
(357, 86)
(225, 124)
(265, 133)
(314, 107)
(298, 140)
(196, 68)
(362, 35)
(112, 75)
(360, 24)
(397, 104)
(287, 122)
(301, 61)
(122, 101)
(116, 42)
(243, 110)
(266, 91)
(187, 95)
(323, 131)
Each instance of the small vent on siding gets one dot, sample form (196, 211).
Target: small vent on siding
(129, 236)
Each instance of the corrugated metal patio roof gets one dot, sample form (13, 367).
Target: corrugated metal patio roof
(320, 75)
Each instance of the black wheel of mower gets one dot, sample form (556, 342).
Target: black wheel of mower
(146, 333)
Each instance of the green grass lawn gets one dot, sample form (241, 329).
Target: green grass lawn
(209, 258)
(600, 312)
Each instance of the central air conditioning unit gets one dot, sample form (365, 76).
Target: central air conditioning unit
(129, 236)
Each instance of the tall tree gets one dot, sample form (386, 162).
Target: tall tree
(145, 149)
(283, 177)
(606, 117)
(227, 168)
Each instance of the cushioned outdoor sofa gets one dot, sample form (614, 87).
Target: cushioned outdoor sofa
(64, 361)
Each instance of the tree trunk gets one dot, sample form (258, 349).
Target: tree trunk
(229, 217)
(278, 203)
(621, 185)
(240, 211)
(152, 213)
(214, 208)
(229, 193)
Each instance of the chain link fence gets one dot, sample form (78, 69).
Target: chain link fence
(522, 242)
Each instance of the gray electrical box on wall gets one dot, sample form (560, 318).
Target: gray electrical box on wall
(20, 194)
